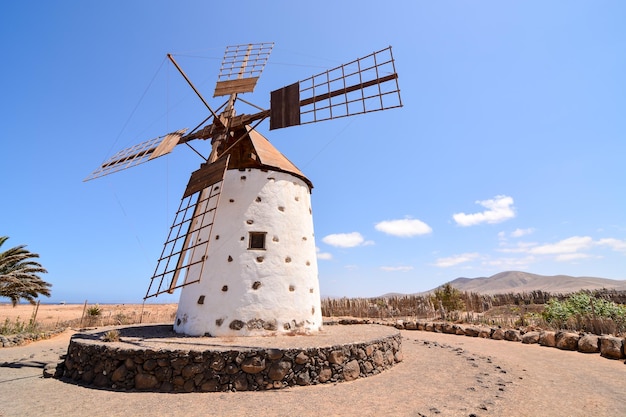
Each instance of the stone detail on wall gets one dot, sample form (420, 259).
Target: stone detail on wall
(103, 365)
(611, 347)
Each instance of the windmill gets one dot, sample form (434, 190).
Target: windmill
(241, 246)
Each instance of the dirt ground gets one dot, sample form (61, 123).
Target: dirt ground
(49, 315)
(441, 375)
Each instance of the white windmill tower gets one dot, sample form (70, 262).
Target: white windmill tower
(242, 245)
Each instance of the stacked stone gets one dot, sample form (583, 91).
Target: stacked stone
(25, 338)
(187, 371)
(611, 347)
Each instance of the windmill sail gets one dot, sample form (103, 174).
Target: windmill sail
(364, 85)
(138, 154)
(241, 68)
(186, 247)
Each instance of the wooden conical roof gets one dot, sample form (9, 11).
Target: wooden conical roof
(246, 149)
(255, 151)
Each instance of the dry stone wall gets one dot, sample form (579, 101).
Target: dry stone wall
(103, 366)
(610, 347)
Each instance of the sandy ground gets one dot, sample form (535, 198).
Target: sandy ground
(49, 315)
(441, 375)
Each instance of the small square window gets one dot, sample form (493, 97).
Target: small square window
(257, 240)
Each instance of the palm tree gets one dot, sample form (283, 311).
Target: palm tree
(18, 275)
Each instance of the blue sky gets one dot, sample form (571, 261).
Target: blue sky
(508, 153)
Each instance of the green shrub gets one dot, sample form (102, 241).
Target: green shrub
(111, 336)
(583, 311)
(94, 311)
(17, 326)
(448, 300)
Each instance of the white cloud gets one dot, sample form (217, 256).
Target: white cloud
(455, 260)
(507, 264)
(615, 244)
(404, 227)
(325, 256)
(569, 245)
(396, 268)
(499, 209)
(346, 240)
(522, 232)
(520, 247)
(566, 257)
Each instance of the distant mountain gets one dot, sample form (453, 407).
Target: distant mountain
(516, 281)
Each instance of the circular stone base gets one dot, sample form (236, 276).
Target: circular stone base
(154, 358)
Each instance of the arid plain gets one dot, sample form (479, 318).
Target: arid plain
(441, 375)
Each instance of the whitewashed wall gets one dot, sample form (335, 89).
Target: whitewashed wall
(252, 291)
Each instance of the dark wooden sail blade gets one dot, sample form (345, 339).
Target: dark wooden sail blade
(241, 68)
(186, 249)
(138, 154)
(205, 176)
(364, 85)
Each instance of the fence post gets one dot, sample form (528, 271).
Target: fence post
(83, 316)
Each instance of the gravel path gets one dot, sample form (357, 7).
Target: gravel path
(441, 375)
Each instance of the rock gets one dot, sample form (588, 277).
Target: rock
(325, 375)
(189, 385)
(448, 328)
(166, 387)
(178, 381)
(150, 365)
(336, 357)
(210, 386)
(253, 365)
(612, 347)
(129, 364)
(589, 343)
(119, 374)
(163, 374)
(179, 362)
(530, 338)
(218, 363)
(303, 378)
(389, 357)
(410, 325)
(512, 335)
(100, 381)
(241, 383)
(498, 334)
(190, 370)
(567, 340)
(49, 370)
(484, 333)
(378, 358)
(301, 358)
(274, 354)
(351, 370)
(87, 376)
(145, 381)
(471, 331)
(547, 338)
(361, 354)
(278, 370)
(231, 368)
